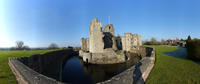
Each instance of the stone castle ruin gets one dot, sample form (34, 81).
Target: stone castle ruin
(103, 47)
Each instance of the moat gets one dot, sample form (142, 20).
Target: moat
(75, 71)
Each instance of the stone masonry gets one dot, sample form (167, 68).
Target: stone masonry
(100, 41)
(95, 37)
(85, 44)
(129, 41)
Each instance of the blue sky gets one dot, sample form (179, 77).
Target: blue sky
(41, 22)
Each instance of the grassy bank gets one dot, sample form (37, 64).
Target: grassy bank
(171, 70)
(6, 76)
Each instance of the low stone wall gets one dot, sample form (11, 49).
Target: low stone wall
(25, 75)
(40, 69)
(136, 74)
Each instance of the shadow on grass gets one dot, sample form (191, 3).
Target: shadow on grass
(3, 76)
(137, 74)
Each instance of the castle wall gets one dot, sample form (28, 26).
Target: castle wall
(85, 44)
(96, 43)
(129, 41)
(119, 43)
(109, 28)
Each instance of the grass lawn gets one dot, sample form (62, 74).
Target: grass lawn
(6, 76)
(171, 70)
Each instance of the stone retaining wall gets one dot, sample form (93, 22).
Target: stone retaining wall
(137, 74)
(40, 69)
(25, 75)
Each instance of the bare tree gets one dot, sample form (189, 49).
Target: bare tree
(53, 46)
(19, 45)
(153, 41)
(162, 41)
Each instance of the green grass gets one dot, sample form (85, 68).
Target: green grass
(119, 52)
(171, 70)
(6, 76)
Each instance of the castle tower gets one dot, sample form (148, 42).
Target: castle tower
(110, 29)
(96, 44)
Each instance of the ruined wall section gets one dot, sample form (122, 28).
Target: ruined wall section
(139, 40)
(96, 43)
(119, 42)
(85, 44)
(126, 42)
(110, 29)
(130, 41)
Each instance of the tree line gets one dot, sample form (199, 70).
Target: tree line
(21, 46)
(193, 48)
(153, 41)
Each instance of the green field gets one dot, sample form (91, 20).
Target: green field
(6, 76)
(171, 70)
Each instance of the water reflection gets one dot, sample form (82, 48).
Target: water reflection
(76, 72)
(180, 53)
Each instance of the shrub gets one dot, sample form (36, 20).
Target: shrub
(193, 49)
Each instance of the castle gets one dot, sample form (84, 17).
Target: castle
(102, 45)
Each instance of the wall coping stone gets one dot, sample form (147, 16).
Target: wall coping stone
(25, 75)
(136, 74)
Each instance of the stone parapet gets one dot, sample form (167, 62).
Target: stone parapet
(25, 75)
(136, 74)
(40, 68)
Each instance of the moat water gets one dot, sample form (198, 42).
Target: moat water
(180, 53)
(75, 71)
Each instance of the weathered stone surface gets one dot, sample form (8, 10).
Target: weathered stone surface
(102, 41)
(25, 75)
(40, 69)
(110, 29)
(99, 41)
(87, 57)
(119, 42)
(96, 44)
(46, 63)
(108, 57)
(137, 74)
(85, 44)
(130, 41)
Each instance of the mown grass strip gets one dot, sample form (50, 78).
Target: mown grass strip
(171, 70)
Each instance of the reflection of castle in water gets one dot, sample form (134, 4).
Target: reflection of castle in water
(104, 72)
(103, 47)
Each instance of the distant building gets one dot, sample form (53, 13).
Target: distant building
(181, 44)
